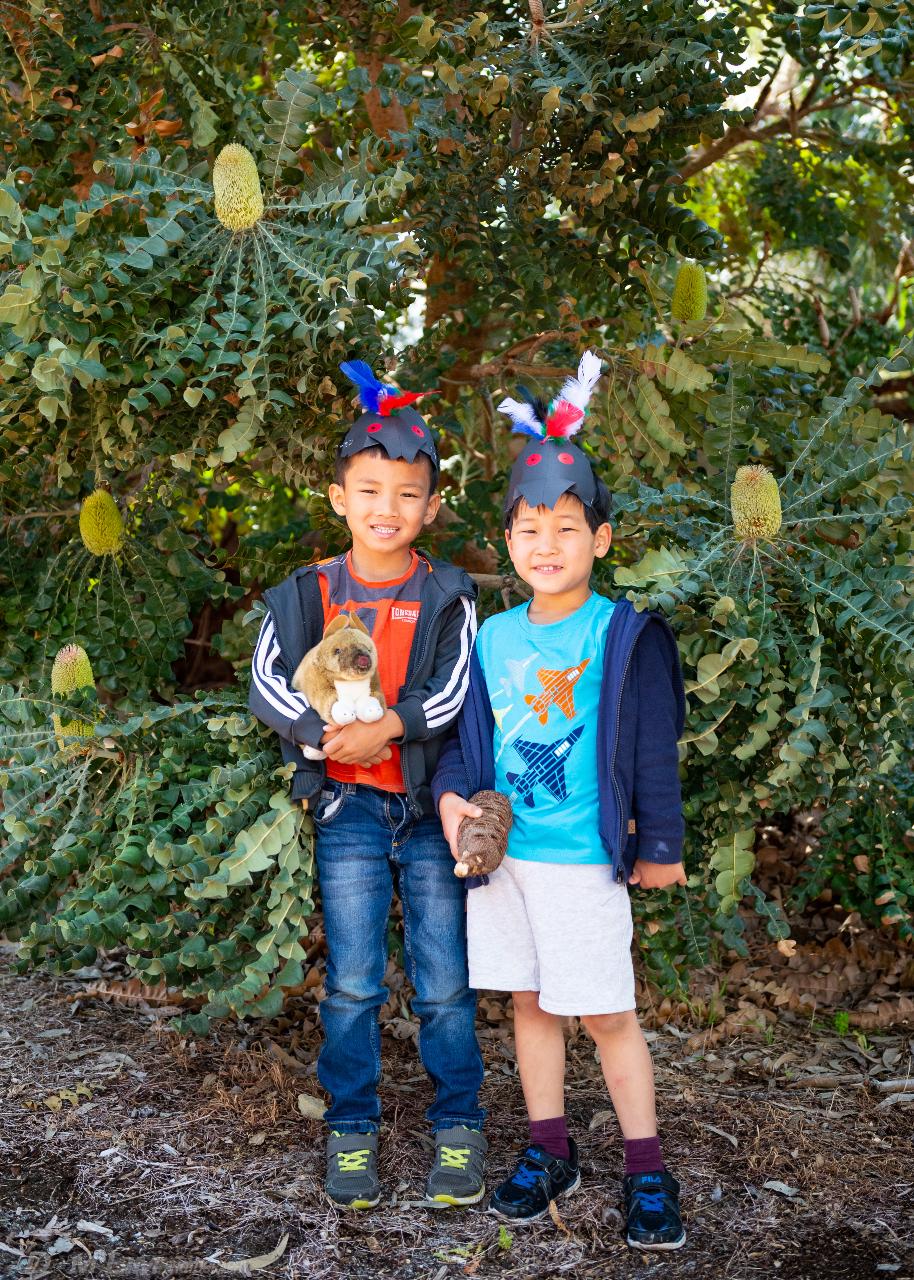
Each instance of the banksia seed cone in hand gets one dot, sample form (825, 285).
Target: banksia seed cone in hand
(481, 842)
(755, 503)
(690, 293)
(72, 670)
(236, 187)
(101, 526)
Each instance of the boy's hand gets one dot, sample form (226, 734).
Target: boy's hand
(359, 743)
(657, 875)
(452, 809)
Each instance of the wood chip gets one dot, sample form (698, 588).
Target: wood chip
(311, 1107)
(833, 1081)
(895, 1099)
(600, 1118)
(720, 1133)
(244, 1266)
(279, 1053)
(781, 1188)
(904, 1084)
(94, 1228)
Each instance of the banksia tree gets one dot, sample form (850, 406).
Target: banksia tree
(203, 871)
(466, 198)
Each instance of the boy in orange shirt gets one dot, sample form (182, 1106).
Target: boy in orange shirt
(373, 813)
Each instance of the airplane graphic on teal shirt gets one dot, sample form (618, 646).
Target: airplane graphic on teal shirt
(545, 767)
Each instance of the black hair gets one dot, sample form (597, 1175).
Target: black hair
(594, 515)
(342, 464)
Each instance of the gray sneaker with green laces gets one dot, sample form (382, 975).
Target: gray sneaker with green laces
(352, 1170)
(456, 1177)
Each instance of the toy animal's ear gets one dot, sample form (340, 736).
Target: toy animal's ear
(339, 622)
(356, 622)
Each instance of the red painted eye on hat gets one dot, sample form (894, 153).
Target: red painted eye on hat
(373, 427)
(417, 431)
(534, 459)
(566, 458)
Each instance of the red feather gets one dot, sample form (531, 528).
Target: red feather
(387, 404)
(562, 418)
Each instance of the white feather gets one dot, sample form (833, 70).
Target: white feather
(522, 415)
(579, 390)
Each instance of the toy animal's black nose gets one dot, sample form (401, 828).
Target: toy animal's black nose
(362, 662)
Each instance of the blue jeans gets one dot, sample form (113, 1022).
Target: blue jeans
(366, 841)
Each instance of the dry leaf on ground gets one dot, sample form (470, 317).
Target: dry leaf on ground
(244, 1266)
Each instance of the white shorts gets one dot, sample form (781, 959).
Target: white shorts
(562, 930)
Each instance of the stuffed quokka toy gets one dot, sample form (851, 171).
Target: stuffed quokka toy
(339, 676)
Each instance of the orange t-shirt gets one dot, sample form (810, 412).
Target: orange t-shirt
(390, 611)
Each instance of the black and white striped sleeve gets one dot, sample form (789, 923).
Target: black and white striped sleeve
(273, 700)
(427, 712)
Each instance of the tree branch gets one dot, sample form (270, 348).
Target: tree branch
(739, 134)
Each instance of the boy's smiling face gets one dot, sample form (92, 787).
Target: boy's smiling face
(553, 549)
(386, 503)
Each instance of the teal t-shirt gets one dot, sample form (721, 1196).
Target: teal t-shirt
(544, 685)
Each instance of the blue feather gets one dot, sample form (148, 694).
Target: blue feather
(370, 388)
(536, 404)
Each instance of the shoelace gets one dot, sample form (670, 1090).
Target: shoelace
(651, 1201)
(454, 1157)
(353, 1161)
(527, 1175)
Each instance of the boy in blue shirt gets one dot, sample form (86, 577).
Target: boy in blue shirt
(574, 709)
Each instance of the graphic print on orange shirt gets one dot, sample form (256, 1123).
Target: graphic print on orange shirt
(390, 611)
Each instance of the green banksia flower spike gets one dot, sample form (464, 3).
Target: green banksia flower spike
(101, 526)
(72, 670)
(690, 293)
(236, 186)
(755, 503)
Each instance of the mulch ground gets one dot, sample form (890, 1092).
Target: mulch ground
(127, 1150)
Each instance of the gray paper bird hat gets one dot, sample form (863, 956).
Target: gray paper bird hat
(550, 465)
(389, 421)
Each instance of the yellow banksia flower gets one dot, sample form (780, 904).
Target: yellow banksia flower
(72, 670)
(236, 186)
(755, 503)
(101, 525)
(690, 293)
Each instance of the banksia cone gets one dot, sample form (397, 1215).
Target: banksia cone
(72, 670)
(690, 293)
(482, 842)
(236, 186)
(755, 503)
(101, 526)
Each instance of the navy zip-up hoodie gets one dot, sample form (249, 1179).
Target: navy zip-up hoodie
(436, 677)
(640, 719)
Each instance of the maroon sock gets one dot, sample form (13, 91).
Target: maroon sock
(552, 1136)
(643, 1155)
